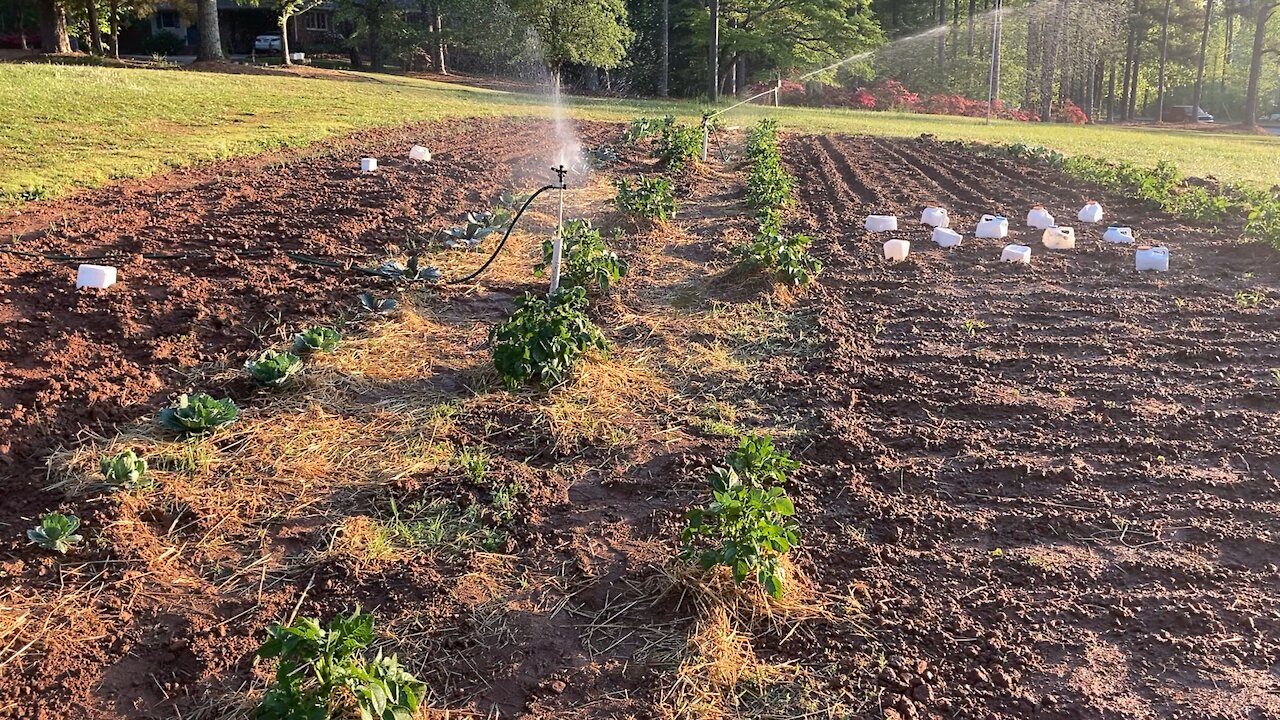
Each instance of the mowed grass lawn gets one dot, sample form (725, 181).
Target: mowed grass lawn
(78, 126)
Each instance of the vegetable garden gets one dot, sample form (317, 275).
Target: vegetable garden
(737, 465)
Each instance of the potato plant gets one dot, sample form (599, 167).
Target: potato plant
(323, 672)
(650, 198)
(543, 339)
(585, 260)
(678, 146)
(125, 471)
(56, 532)
(273, 369)
(198, 414)
(759, 461)
(786, 255)
(645, 127)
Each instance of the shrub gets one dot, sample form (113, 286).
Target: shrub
(164, 43)
(748, 525)
(650, 198)
(678, 146)
(544, 337)
(584, 258)
(125, 471)
(56, 532)
(198, 414)
(323, 673)
(316, 339)
(273, 368)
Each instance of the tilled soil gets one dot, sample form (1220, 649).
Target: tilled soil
(1061, 482)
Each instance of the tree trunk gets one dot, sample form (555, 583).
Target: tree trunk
(373, 21)
(284, 39)
(1164, 60)
(1033, 51)
(1265, 8)
(1125, 88)
(115, 29)
(1200, 63)
(53, 27)
(713, 52)
(973, 30)
(95, 32)
(740, 75)
(440, 42)
(664, 71)
(209, 45)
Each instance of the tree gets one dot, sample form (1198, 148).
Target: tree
(285, 10)
(584, 32)
(1262, 10)
(209, 44)
(1198, 97)
(53, 26)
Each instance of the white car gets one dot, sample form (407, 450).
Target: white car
(266, 42)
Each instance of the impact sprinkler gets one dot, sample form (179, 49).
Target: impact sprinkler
(561, 184)
(706, 134)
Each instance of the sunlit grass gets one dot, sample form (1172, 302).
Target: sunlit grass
(82, 126)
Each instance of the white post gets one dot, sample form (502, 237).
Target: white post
(706, 139)
(557, 246)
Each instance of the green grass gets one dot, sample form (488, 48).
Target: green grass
(82, 126)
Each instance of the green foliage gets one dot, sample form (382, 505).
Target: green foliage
(316, 339)
(477, 228)
(573, 31)
(198, 414)
(56, 532)
(757, 460)
(1246, 299)
(646, 127)
(786, 255)
(163, 43)
(769, 184)
(1263, 224)
(585, 260)
(375, 304)
(650, 198)
(474, 462)
(411, 270)
(748, 525)
(273, 368)
(678, 145)
(323, 673)
(125, 471)
(544, 337)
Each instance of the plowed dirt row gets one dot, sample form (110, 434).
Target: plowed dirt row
(1063, 481)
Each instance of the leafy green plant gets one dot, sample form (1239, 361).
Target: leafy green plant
(411, 270)
(1249, 298)
(972, 326)
(786, 255)
(479, 226)
(650, 198)
(198, 414)
(644, 127)
(678, 146)
(56, 532)
(316, 340)
(544, 337)
(474, 462)
(758, 462)
(377, 305)
(585, 260)
(273, 368)
(745, 527)
(600, 155)
(125, 471)
(1275, 373)
(323, 673)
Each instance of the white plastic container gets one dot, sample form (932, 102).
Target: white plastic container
(1153, 258)
(1091, 213)
(1118, 235)
(417, 153)
(100, 277)
(1040, 219)
(882, 223)
(368, 164)
(298, 57)
(946, 238)
(1016, 254)
(1059, 238)
(993, 227)
(935, 217)
(897, 250)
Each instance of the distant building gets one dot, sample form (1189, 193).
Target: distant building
(238, 24)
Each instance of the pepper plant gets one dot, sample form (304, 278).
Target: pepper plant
(56, 532)
(323, 673)
(544, 338)
(198, 414)
(585, 260)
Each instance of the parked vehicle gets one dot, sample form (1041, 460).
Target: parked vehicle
(268, 42)
(1186, 113)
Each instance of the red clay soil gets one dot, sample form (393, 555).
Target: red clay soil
(1065, 478)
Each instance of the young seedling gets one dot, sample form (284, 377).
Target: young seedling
(316, 340)
(125, 471)
(1275, 373)
(197, 414)
(377, 305)
(56, 532)
(478, 227)
(273, 369)
(1249, 298)
(474, 462)
(972, 326)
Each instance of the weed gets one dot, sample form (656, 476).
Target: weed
(273, 369)
(972, 326)
(316, 340)
(474, 462)
(323, 673)
(1249, 298)
(585, 259)
(56, 532)
(544, 337)
(198, 414)
(125, 471)
(650, 198)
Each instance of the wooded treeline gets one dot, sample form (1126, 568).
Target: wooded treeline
(1116, 60)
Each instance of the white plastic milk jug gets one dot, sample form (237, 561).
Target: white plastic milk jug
(417, 153)
(1153, 258)
(946, 238)
(95, 276)
(1040, 219)
(1016, 254)
(993, 227)
(882, 223)
(368, 164)
(1091, 213)
(1060, 238)
(1118, 235)
(897, 250)
(935, 217)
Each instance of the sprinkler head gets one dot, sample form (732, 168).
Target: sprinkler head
(561, 171)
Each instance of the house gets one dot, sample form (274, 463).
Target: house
(312, 31)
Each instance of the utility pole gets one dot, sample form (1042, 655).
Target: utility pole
(713, 52)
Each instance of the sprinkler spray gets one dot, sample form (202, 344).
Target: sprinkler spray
(557, 246)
